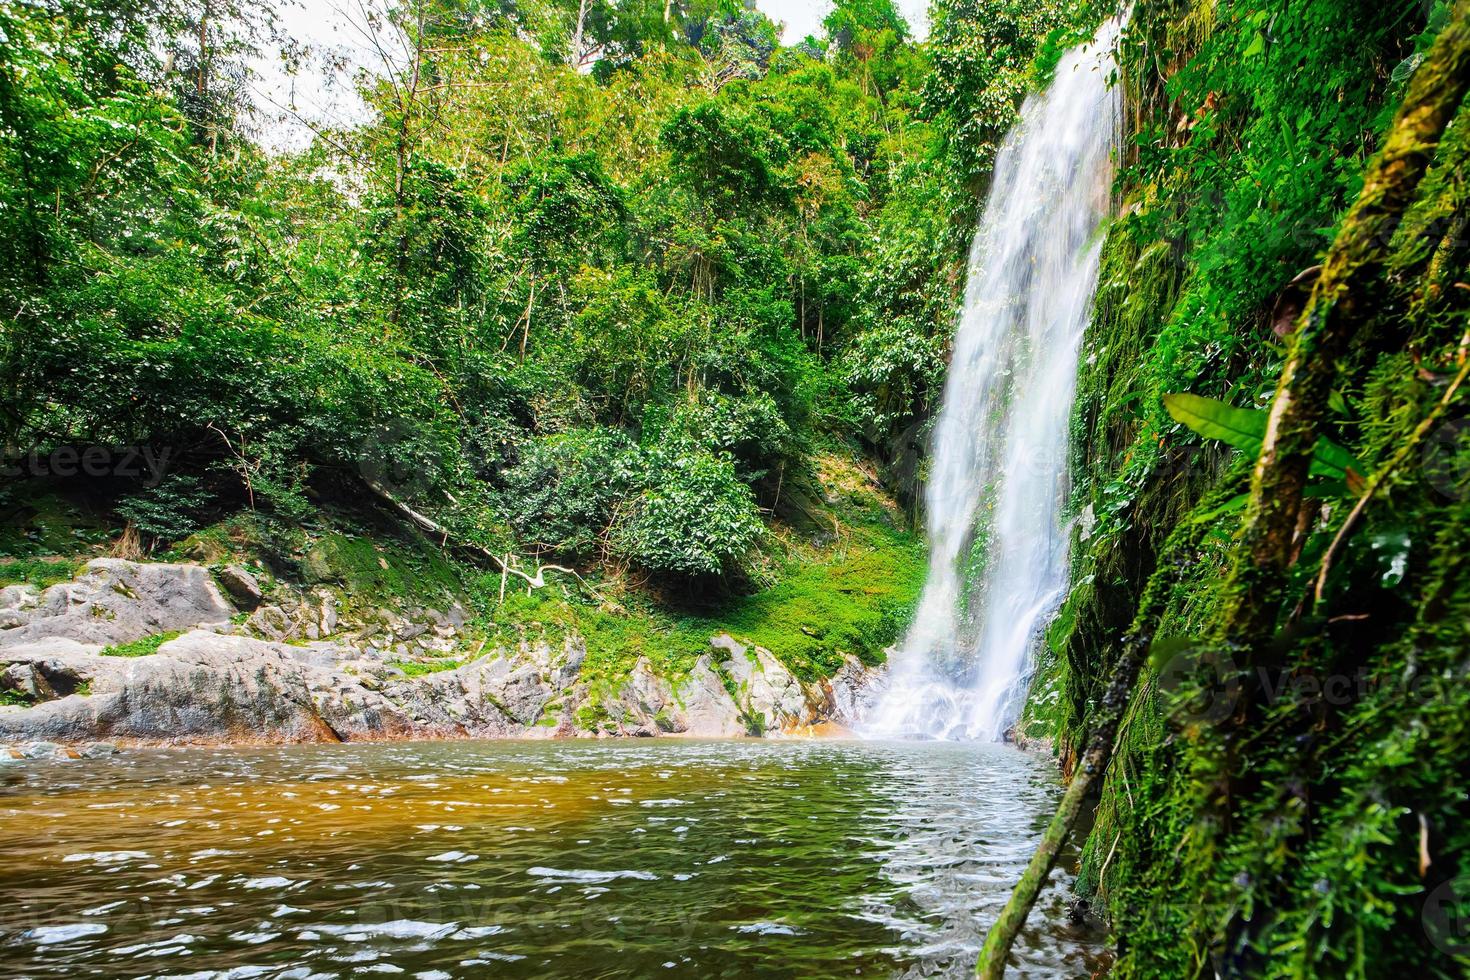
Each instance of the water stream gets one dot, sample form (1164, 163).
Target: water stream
(627, 858)
(998, 478)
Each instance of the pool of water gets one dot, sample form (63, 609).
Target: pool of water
(632, 858)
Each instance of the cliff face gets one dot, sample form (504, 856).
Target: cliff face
(1288, 800)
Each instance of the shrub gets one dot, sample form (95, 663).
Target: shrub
(697, 519)
(168, 511)
(562, 493)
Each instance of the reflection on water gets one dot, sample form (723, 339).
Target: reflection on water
(525, 859)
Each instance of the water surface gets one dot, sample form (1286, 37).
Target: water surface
(631, 858)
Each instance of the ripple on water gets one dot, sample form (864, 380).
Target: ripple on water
(51, 935)
(526, 860)
(579, 874)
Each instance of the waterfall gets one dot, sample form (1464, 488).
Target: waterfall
(998, 479)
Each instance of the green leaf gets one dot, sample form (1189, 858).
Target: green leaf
(1331, 460)
(1242, 428)
(1245, 429)
(1228, 507)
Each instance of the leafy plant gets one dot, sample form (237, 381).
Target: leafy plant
(168, 511)
(1245, 429)
(696, 518)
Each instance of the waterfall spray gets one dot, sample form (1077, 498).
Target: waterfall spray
(998, 477)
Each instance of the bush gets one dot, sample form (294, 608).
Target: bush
(168, 511)
(562, 493)
(749, 428)
(698, 519)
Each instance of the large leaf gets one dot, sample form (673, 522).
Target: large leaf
(1245, 429)
(1331, 460)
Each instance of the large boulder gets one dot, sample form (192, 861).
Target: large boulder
(704, 705)
(242, 586)
(501, 695)
(114, 601)
(851, 692)
(770, 697)
(201, 687)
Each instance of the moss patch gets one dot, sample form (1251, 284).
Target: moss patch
(141, 648)
(40, 572)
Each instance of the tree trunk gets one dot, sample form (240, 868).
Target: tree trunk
(1325, 330)
(577, 35)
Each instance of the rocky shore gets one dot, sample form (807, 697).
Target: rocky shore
(134, 653)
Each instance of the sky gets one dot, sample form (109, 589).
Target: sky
(803, 17)
(316, 95)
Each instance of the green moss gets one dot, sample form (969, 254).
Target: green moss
(38, 522)
(372, 569)
(616, 638)
(40, 572)
(418, 668)
(16, 699)
(141, 648)
(1281, 838)
(857, 602)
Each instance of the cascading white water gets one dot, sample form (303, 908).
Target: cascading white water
(1000, 441)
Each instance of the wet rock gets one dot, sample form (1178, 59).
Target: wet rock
(242, 587)
(44, 750)
(851, 691)
(315, 566)
(464, 701)
(217, 683)
(410, 631)
(327, 622)
(211, 687)
(23, 679)
(98, 750)
(770, 696)
(642, 705)
(270, 622)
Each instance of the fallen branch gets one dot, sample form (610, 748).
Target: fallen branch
(508, 565)
(1094, 762)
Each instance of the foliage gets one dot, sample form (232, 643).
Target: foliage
(1245, 429)
(858, 602)
(168, 511)
(515, 299)
(696, 518)
(562, 494)
(419, 668)
(144, 647)
(852, 595)
(1252, 125)
(39, 572)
